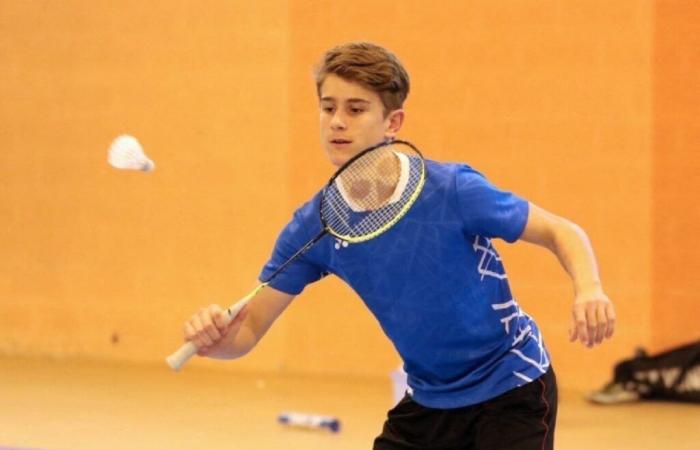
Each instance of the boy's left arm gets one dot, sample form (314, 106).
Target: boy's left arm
(593, 314)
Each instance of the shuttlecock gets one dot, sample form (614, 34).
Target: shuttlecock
(126, 153)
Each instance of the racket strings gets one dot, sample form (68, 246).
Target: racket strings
(373, 192)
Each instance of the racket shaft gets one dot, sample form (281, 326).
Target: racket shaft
(188, 349)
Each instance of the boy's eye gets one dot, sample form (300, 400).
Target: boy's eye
(327, 109)
(356, 110)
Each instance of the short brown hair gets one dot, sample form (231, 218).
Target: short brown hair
(370, 65)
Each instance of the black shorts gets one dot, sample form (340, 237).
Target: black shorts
(521, 419)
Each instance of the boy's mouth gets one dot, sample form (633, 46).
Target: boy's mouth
(340, 141)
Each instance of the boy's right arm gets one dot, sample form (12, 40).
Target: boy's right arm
(213, 339)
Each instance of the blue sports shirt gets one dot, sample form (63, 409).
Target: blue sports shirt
(436, 284)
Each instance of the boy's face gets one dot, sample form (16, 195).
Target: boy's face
(352, 119)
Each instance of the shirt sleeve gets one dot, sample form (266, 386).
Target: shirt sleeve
(488, 211)
(302, 271)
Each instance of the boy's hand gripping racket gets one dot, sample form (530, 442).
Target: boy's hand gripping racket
(363, 199)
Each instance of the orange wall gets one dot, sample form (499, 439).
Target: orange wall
(89, 251)
(552, 100)
(676, 146)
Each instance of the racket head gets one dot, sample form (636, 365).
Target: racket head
(371, 192)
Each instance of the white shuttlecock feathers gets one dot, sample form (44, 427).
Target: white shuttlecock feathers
(126, 153)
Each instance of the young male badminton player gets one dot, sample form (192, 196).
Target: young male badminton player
(479, 374)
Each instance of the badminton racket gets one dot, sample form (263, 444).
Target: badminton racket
(365, 197)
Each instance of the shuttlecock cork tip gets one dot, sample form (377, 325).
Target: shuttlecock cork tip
(148, 166)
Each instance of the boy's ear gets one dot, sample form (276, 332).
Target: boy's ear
(393, 122)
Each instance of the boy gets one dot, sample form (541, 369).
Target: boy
(478, 372)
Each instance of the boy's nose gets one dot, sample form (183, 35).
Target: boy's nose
(337, 122)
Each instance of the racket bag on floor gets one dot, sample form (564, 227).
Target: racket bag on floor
(670, 375)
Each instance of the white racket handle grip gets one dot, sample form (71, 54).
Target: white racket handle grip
(188, 349)
(181, 356)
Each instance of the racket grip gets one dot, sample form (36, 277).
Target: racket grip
(188, 349)
(181, 356)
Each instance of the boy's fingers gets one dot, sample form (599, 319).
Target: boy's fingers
(573, 334)
(201, 338)
(191, 336)
(591, 323)
(208, 326)
(580, 325)
(603, 323)
(190, 333)
(218, 316)
(593, 320)
(610, 313)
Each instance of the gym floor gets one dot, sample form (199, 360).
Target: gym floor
(64, 405)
